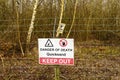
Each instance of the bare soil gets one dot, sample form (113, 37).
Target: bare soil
(91, 63)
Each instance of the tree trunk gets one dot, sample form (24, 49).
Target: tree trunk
(31, 26)
(73, 19)
(17, 24)
(61, 15)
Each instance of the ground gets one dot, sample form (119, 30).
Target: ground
(91, 63)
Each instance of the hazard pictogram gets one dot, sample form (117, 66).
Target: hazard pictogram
(63, 43)
(48, 43)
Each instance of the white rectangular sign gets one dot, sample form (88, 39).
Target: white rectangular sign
(56, 51)
(62, 27)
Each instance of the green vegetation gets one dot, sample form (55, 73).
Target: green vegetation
(94, 19)
(96, 30)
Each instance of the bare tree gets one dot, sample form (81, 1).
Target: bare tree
(73, 18)
(16, 7)
(31, 26)
(61, 15)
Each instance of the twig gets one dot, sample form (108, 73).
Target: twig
(2, 62)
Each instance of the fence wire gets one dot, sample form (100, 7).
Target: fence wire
(97, 48)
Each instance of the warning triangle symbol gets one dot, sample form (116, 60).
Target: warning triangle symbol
(48, 43)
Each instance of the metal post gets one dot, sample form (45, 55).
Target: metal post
(54, 27)
(57, 72)
(56, 69)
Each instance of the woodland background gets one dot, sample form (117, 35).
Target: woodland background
(95, 20)
(96, 31)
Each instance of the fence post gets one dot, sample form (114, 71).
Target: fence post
(57, 72)
(54, 27)
(56, 69)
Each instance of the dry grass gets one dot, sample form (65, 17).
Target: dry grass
(94, 25)
(91, 63)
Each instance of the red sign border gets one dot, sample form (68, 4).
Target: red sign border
(65, 41)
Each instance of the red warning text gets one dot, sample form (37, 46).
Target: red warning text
(56, 61)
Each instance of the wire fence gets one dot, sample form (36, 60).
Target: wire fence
(96, 58)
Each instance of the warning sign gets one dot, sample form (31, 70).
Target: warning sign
(63, 42)
(61, 28)
(55, 51)
(48, 43)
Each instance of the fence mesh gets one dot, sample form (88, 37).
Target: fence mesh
(97, 47)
